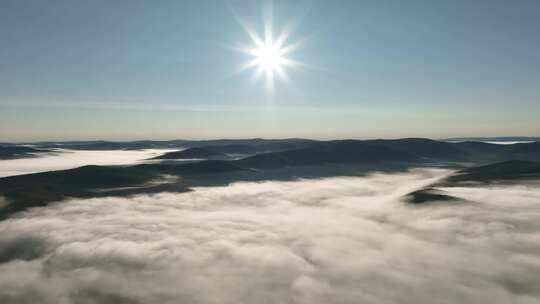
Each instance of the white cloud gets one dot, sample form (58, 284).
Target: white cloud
(67, 159)
(334, 240)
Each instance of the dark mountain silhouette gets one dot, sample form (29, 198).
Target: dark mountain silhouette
(484, 153)
(429, 195)
(503, 171)
(38, 189)
(193, 153)
(426, 149)
(331, 158)
(514, 171)
(263, 145)
(344, 151)
(407, 150)
(494, 139)
(245, 149)
(202, 167)
(12, 152)
(478, 147)
(230, 150)
(522, 151)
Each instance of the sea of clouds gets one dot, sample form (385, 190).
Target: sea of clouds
(333, 240)
(67, 159)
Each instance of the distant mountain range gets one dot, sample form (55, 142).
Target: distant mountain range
(226, 146)
(194, 153)
(312, 159)
(240, 147)
(495, 139)
(417, 150)
(503, 171)
(228, 151)
(260, 143)
(13, 152)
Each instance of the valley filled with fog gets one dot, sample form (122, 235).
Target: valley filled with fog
(269, 152)
(329, 240)
(61, 159)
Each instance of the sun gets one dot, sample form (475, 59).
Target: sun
(269, 53)
(269, 57)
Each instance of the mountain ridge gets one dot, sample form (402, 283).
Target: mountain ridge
(331, 158)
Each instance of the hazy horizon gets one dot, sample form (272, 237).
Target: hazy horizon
(135, 139)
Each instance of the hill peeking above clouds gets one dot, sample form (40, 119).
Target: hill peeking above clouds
(317, 159)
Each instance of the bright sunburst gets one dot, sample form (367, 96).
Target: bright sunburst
(269, 52)
(269, 60)
(269, 57)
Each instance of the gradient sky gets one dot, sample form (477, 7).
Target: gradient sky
(111, 69)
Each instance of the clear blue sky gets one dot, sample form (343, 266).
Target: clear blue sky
(111, 69)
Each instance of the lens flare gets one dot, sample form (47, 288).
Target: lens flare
(269, 57)
(269, 52)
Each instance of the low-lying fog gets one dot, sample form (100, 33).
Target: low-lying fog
(334, 240)
(507, 142)
(67, 159)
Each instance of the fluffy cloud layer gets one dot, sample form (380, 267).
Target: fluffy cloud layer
(335, 240)
(66, 159)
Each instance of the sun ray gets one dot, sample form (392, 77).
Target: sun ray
(269, 51)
